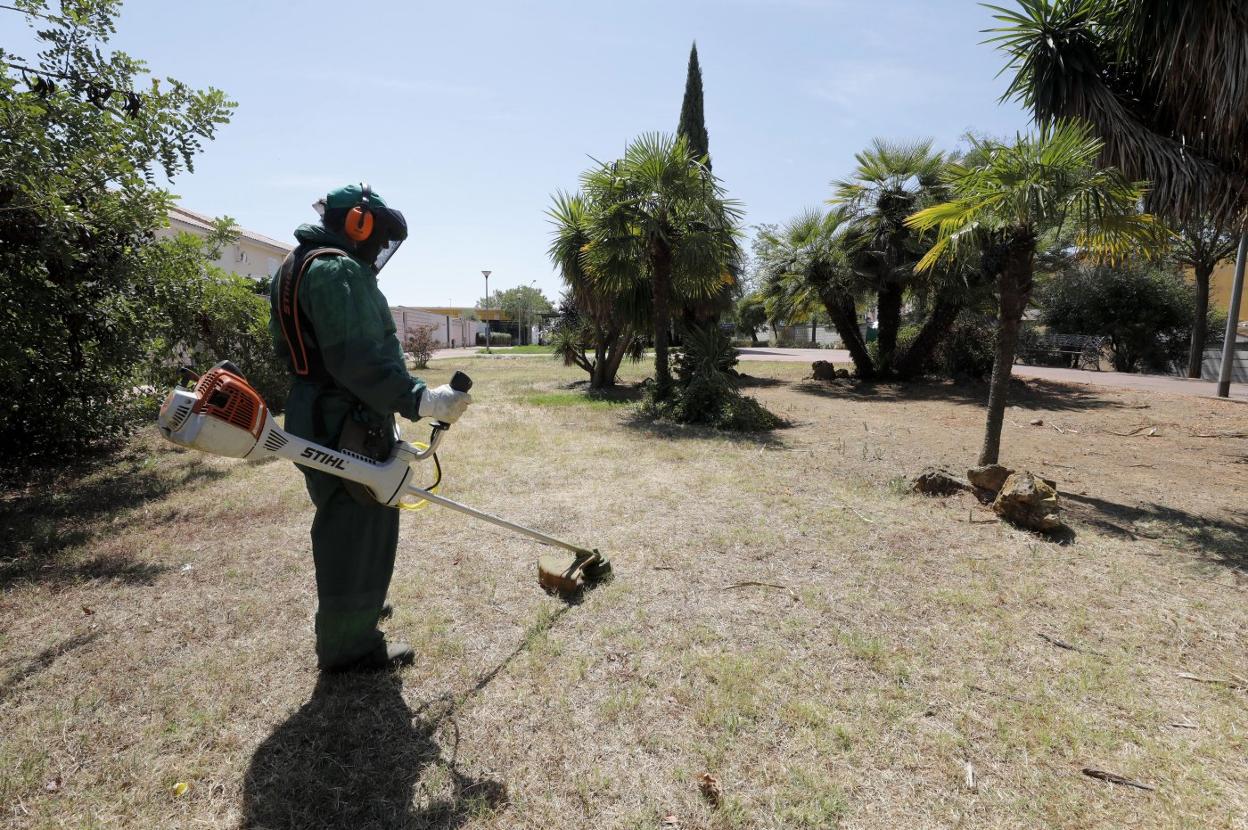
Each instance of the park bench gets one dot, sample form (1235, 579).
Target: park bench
(1083, 351)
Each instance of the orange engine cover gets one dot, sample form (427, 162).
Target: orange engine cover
(227, 397)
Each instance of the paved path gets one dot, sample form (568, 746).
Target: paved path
(1140, 383)
(1113, 380)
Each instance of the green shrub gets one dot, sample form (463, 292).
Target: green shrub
(420, 344)
(1145, 310)
(969, 348)
(705, 391)
(209, 316)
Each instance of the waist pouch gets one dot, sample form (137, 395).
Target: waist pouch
(362, 435)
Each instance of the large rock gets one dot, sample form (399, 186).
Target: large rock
(823, 370)
(989, 477)
(1029, 501)
(935, 481)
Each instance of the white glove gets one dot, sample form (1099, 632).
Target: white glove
(443, 404)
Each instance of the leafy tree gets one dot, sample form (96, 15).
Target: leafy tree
(751, 314)
(1004, 201)
(208, 315)
(85, 134)
(597, 328)
(1201, 244)
(659, 215)
(517, 302)
(1144, 309)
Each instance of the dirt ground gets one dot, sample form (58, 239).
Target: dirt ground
(786, 617)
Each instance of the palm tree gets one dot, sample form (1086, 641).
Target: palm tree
(804, 265)
(660, 214)
(892, 181)
(1004, 201)
(1201, 244)
(1163, 84)
(608, 323)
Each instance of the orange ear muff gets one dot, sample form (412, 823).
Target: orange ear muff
(359, 224)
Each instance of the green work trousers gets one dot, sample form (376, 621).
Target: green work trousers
(353, 544)
(353, 548)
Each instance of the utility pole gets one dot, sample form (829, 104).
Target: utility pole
(487, 302)
(1232, 320)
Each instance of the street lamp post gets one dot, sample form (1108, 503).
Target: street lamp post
(487, 302)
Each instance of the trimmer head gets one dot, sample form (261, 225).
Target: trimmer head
(567, 574)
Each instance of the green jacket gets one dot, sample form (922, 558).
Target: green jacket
(355, 335)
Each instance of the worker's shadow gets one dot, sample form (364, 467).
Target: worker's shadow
(355, 756)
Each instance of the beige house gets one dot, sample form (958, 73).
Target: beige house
(1220, 293)
(252, 254)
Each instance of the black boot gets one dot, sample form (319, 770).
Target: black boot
(387, 656)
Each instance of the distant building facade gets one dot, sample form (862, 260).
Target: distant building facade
(449, 327)
(252, 255)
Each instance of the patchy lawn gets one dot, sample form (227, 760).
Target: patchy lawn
(785, 617)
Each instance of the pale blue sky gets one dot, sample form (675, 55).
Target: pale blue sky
(467, 116)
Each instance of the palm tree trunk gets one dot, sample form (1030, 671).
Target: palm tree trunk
(615, 356)
(1200, 323)
(1015, 289)
(944, 313)
(661, 261)
(840, 307)
(889, 301)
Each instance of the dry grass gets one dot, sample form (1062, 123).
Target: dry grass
(155, 625)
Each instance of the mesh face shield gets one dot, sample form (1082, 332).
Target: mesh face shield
(388, 235)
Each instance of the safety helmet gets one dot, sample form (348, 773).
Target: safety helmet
(375, 230)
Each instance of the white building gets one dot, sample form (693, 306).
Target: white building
(251, 255)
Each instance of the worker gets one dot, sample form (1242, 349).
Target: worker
(333, 326)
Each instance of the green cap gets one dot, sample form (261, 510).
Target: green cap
(345, 198)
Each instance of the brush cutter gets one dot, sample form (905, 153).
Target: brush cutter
(224, 415)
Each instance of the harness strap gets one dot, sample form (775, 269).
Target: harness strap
(291, 316)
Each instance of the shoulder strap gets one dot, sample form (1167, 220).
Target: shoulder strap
(290, 315)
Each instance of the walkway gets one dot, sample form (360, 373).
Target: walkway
(1116, 380)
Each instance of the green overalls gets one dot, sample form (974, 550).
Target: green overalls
(355, 368)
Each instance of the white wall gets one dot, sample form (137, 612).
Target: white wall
(462, 332)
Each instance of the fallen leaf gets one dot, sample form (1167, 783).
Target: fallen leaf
(87, 611)
(670, 821)
(52, 784)
(709, 786)
(181, 788)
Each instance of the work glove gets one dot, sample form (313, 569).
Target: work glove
(443, 404)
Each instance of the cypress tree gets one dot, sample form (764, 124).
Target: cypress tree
(692, 122)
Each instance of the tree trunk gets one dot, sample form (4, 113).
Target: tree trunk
(1196, 355)
(615, 356)
(662, 269)
(1014, 285)
(889, 300)
(840, 308)
(944, 314)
